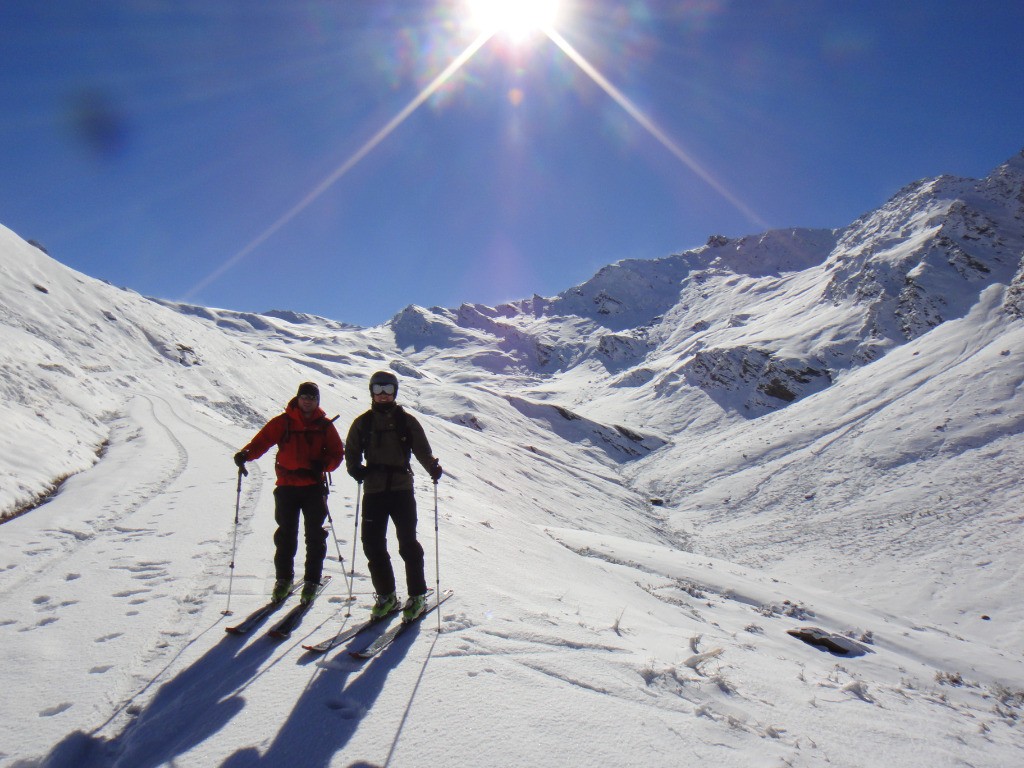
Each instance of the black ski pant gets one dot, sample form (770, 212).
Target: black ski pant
(399, 506)
(289, 501)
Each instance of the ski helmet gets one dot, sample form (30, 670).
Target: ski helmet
(384, 377)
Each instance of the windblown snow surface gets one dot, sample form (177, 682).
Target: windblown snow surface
(755, 504)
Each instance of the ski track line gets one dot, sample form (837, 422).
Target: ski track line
(251, 496)
(109, 535)
(152, 570)
(106, 526)
(191, 424)
(252, 491)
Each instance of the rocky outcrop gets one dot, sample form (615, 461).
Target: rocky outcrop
(754, 380)
(1014, 303)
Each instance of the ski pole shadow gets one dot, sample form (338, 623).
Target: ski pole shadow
(185, 711)
(330, 710)
(412, 698)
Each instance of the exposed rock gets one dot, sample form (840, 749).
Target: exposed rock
(756, 380)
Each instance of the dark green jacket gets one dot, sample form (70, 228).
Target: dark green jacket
(377, 440)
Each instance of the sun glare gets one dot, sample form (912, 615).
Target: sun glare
(514, 18)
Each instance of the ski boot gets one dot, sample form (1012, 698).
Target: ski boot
(385, 604)
(309, 590)
(414, 608)
(282, 588)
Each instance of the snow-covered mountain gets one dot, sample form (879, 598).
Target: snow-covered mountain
(650, 477)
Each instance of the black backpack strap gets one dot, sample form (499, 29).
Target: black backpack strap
(402, 426)
(363, 425)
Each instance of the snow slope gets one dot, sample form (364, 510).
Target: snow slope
(651, 481)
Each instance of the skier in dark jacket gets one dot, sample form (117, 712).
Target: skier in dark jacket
(308, 445)
(385, 437)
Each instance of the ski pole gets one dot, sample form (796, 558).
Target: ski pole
(355, 538)
(234, 542)
(437, 557)
(334, 533)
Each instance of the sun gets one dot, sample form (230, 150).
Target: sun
(515, 18)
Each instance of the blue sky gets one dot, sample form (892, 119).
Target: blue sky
(256, 156)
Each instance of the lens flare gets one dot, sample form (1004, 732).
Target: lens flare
(344, 168)
(515, 19)
(648, 125)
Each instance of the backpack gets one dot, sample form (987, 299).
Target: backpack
(320, 425)
(365, 426)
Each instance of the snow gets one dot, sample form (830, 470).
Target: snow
(632, 548)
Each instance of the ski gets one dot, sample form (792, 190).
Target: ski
(283, 629)
(343, 637)
(256, 618)
(395, 632)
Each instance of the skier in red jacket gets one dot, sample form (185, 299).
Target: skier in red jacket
(308, 445)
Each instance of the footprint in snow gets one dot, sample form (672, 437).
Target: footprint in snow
(51, 711)
(107, 638)
(41, 599)
(347, 710)
(130, 593)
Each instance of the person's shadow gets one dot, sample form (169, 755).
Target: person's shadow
(185, 711)
(328, 713)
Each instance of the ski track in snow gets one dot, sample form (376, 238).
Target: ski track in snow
(108, 519)
(118, 543)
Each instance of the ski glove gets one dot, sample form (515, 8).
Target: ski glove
(436, 471)
(240, 459)
(358, 472)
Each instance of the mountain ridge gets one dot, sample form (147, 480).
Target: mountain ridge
(752, 325)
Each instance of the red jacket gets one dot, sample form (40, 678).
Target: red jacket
(306, 449)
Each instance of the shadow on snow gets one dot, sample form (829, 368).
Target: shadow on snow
(330, 710)
(203, 698)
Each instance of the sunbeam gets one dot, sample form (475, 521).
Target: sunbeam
(513, 19)
(345, 167)
(633, 111)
